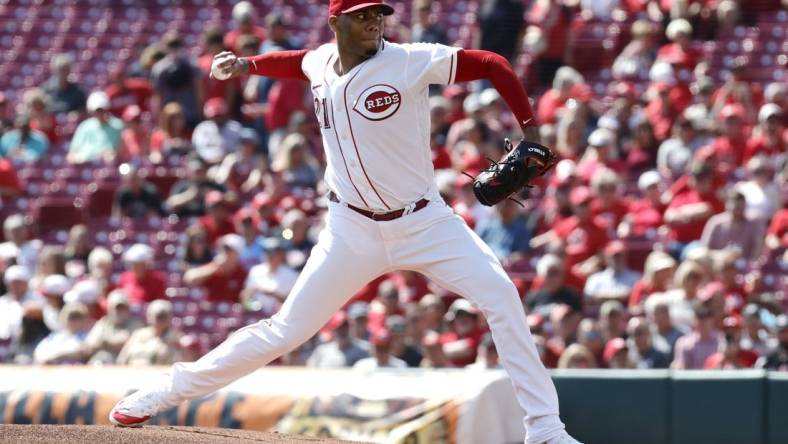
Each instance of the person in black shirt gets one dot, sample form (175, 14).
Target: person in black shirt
(501, 23)
(136, 198)
(777, 359)
(554, 291)
(424, 27)
(187, 197)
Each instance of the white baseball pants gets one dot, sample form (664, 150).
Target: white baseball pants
(351, 251)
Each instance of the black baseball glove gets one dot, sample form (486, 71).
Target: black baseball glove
(516, 170)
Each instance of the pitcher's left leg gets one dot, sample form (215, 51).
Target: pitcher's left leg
(452, 255)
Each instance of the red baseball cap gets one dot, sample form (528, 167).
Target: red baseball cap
(613, 346)
(337, 7)
(214, 107)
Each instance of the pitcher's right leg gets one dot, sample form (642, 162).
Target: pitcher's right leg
(347, 256)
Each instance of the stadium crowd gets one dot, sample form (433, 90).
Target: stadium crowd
(659, 241)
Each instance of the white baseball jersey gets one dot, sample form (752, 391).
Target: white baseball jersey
(375, 122)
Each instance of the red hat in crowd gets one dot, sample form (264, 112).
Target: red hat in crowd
(381, 337)
(261, 200)
(131, 112)
(732, 110)
(613, 346)
(216, 106)
(614, 247)
(213, 197)
(732, 322)
(337, 7)
(580, 195)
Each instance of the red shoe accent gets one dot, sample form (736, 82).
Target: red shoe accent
(127, 421)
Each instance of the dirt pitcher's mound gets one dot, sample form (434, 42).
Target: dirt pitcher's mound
(68, 434)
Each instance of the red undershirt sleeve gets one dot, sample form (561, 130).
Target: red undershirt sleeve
(479, 65)
(278, 65)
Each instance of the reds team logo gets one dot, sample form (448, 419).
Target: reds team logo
(378, 102)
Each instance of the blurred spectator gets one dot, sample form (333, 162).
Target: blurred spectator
(674, 154)
(15, 278)
(740, 91)
(124, 92)
(461, 341)
(66, 346)
(278, 37)
(358, 318)
(431, 313)
(155, 344)
(681, 299)
(640, 153)
(554, 290)
(98, 137)
(297, 166)
(17, 234)
(176, 79)
(187, 196)
(616, 354)
(506, 231)
(487, 355)
(244, 16)
(694, 348)
(566, 82)
(657, 277)
(219, 135)
(590, 337)
(10, 185)
(295, 229)
(65, 95)
(577, 356)
(662, 110)
(599, 155)
(563, 325)
(52, 290)
(609, 205)
(23, 143)
(78, 246)
(732, 229)
(171, 135)
(387, 303)
(141, 281)
(644, 216)
(87, 293)
(612, 320)
(500, 26)
(425, 28)
(466, 205)
(642, 352)
(148, 57)
(730, 355)
(100, 263)
(110, 333)
(681, 52)
(33, 330)
(218, 220)
(381, 354)
(615, 281)
(728, 148)
(755, 336)
(51, 260)
(342, 350)
(269, 283)
(761, 191)
(6, 121)
(402, 345)
(136, 198)
(229, 90)
(635, 60)
(254, 251)
(769, 138)
(135, 137)
(571, 133)
(689, 211)
(196, 249)
(223, 278)
(241, 170)
(550, 33)
(777, 359)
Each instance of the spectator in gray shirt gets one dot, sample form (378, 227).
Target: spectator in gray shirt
(342, 350)
(615, 281)
(733, 229)
(642, 350)
(694, 348)
(663, 329)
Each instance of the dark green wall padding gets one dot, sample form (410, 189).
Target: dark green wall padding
(674, 407)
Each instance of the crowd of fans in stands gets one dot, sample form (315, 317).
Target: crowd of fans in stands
(658, 241)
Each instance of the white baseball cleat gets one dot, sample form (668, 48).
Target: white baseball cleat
(136, 409)
(563, 438)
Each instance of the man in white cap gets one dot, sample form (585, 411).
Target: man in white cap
(52, 290)
(11, 304)
(769, 139)
(223, 278)
(244, 19)
(110, 333)
(65, 346)
(97, 137)
(141, 281)
(64, 94)
(17, 241)
(155, 344)
(86, 293)
(599, 154)
(644, 216)
(270, 282)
